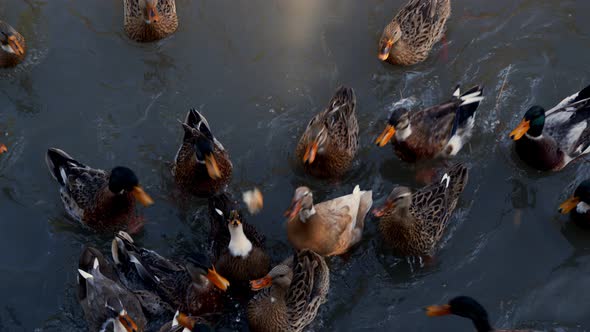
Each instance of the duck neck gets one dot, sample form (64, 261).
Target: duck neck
(239, 245)
(482, 325)
(403, 134)
(305, 214)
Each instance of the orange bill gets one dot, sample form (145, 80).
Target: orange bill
(522, 129)
(261, 283)
(380, 211)
(385, 136)
(569, 205)
(384, 49)
(217, 280)
(127, 322)
(3, 148)
(212, 168)
(16, 46)
(293, 209)
(438, 310)
(152, 12)
(310, 153)
(141, 196)
(185, 321)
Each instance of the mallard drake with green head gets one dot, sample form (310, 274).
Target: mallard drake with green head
(288, 298)
(188, 287)
(413, 223)
(550, 140)
(97, 199)
(202, 164)
(238, 248)
(409, 37)
(12, 46)
(467, 307)
(105, 303)
(438, 131)
(328, 228)
(330, 141)
(150, 20)
(578, 205)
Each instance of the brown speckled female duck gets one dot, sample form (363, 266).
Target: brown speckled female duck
(202, 165)
(467, 307)
(150, 20)
(290, 295)
(409, 37)
(550, 140)
(330, 141)
(437, 131)
(12, 46)
(414, 223)
(97, 199)
(238, 248)
(328, 228)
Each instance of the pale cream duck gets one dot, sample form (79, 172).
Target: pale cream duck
(328, 228)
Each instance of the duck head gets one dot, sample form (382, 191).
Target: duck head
(319, 137)
(122, 321)
(532, 124)
(239, 244)
(10, 43)
(206, 278)
(150, 11)
(205, 153)
(391, 34)
(463, 306)
(399, 198)
(280, 275)
(301, 204)
(580, 200)
(123, 180)
(398, 125)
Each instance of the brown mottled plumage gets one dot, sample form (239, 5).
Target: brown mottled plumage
(550, 140)
(238, 248)
(437, 131)
(328, 228)
(202, 165)
(97, 199)
(289, 297)
(13, 47)
(330, 141)
(409, 37)
(150, 20)
(414, 223)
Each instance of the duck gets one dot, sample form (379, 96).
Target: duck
(578, 205)
(411, 34)
(467, 307)
(288, 298)
(202, 165)
(97, 199)
(413, 223)
(238, 247)
(328, 228)
(437, 131)
(13, 47)
(192, 288)
(149, 20)
(106, 304)
(550, 140)
(331, 139)
(184, 323)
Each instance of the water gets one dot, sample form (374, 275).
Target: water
(259, 70)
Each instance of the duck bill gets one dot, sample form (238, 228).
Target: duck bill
(3, 148)
(523, 128)
(16, 46)
(127, 322)
(141, 196)
(385, 136)
(568, 205)
(185, 321)
(384, 49)
(310, 152)
(152, 13)
(380, 211)
(212, 168)
(294, 209)
(438, 310)
(217, 280)
(261, 283)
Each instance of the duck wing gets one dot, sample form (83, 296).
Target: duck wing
(308, 290)
(433, 205)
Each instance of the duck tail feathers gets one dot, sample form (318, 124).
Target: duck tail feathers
(58, 162)
(583, 94)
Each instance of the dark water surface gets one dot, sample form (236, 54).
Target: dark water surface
(259, 70)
